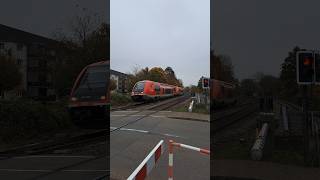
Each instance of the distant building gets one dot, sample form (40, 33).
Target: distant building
(121, 80)
(35, 55)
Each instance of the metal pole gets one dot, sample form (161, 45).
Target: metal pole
(306, 127)
(170, 163)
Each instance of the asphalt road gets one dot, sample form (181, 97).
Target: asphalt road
(52, 167)
(132, 144)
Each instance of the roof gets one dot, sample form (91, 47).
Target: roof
(117, 73)
(102, 62)
(9, 34)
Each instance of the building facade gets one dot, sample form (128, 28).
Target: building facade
(120, 79)
(35, 57)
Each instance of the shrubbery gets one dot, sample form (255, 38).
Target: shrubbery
(120, 99)
(23, 119)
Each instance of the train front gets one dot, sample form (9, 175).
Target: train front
(138, 91)
(89, 96)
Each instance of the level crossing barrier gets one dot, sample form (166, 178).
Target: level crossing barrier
(148, 163)
(171, 145)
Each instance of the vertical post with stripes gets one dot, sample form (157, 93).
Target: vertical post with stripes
(170, 165)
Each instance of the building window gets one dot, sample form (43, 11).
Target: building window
(19, 47)
(9, 52)
(19, 61)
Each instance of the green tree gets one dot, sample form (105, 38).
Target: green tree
(289, 86)
(10, 76)
(157, 74)
(113, 84)
(73, 54)
(269, 85)
(248, 87)
(222, 67)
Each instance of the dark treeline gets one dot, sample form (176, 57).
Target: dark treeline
(222, 68)
(154, 74)
(90, 43)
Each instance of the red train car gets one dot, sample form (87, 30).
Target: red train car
(150, 90)
(90, 96)
(222, 93)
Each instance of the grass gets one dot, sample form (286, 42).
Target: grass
(200, 108)
(288, 157)
(197, 108)
(233, 150)
(236, 150)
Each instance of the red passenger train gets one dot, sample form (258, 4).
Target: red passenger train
(223, 93)
(150, 90)
(90, 93)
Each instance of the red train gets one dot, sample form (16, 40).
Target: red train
(150, 90)
(223, 93)
(90, 93)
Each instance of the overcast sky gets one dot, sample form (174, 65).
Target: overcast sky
(161, 33)
(258, 34)
(44, 17)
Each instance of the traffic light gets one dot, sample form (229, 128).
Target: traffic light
(317, 67)
(205, 83)
(305, 67)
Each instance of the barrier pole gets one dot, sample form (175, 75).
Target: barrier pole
(171, 145)
(170, 164)
(148, 163)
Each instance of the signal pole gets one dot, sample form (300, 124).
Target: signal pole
(306, 124)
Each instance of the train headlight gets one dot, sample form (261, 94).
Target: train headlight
(74, 99)
(103, 97)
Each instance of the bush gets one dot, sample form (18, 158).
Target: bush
(120, 99)
(23, 119)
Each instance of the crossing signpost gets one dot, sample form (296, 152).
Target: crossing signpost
(308, 74)
(205, 83)
(317, 67)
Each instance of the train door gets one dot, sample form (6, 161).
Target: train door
(157, 89)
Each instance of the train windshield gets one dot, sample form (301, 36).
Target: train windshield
(93, 82)
(139, 87)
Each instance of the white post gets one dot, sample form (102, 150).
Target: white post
(191, 105)
(257, 148)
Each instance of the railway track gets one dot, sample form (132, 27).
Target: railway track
(154, 109)
(83, 139)
(52, 145)
(133, 105)
(227, 119)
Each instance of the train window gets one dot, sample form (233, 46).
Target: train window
(139, 86)
(168, 91)
(157, 88)
(94, 81)
(95, 75)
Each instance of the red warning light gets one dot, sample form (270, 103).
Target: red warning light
(307, 62)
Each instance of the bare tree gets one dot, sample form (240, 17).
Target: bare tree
(83, 25)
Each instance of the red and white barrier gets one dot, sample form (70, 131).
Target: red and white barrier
(148, 163)
(171, 145)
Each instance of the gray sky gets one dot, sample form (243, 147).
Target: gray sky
(163, 33)
(43, 17)
(259, 34)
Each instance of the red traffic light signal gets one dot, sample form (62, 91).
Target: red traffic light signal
(305, 67)
(307, 62)
(205, 83)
